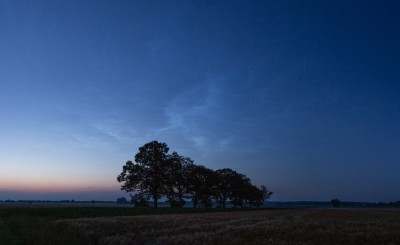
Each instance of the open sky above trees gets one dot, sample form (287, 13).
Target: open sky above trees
(302, 96)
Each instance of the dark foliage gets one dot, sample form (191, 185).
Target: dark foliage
(335, 202)
(177, 179)
(122, 200)
(241, 185)
(157, 173)
(225, 184)
(141, 200)
(150, 172)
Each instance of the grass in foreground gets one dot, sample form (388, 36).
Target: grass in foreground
(104, 225)
(22, 224)
(316, 226)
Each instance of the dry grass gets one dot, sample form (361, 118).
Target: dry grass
(306, 226)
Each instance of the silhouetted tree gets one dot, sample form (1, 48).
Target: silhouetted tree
(141, 199)
(157, 173)
(209, 182)
(149, 174)
(201, 185)
(335, 202)
(253, 196)
(257, 196)
(266, 194)
(193, 184)
(224, 185)
(240, 186)
(122, 200)
(177, 180)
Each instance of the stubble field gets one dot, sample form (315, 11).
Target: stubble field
(291, 226)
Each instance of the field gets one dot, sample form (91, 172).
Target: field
(125, 225)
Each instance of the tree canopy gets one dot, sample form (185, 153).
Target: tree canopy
(157, 174)
(150, 173)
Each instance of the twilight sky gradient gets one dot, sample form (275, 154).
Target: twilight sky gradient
(302, 96)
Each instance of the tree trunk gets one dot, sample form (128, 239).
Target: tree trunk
(155, 201)
(180, 198)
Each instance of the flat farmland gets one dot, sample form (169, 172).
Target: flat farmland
(290, 226)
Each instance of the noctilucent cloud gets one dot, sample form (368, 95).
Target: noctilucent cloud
(302, 96)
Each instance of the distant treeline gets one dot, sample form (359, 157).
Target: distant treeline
(157, 174)
(329, 204)
(228, 204)
(54, 202)
(389, 204)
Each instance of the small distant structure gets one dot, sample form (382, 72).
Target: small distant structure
(122, 200)
(336, 202)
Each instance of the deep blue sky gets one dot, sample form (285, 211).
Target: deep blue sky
(302, 96)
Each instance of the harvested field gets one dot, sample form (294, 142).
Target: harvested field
(298, 226)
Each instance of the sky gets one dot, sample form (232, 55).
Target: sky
(301, 96)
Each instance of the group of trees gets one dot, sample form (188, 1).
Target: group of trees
(157, 174)
(336, 202)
